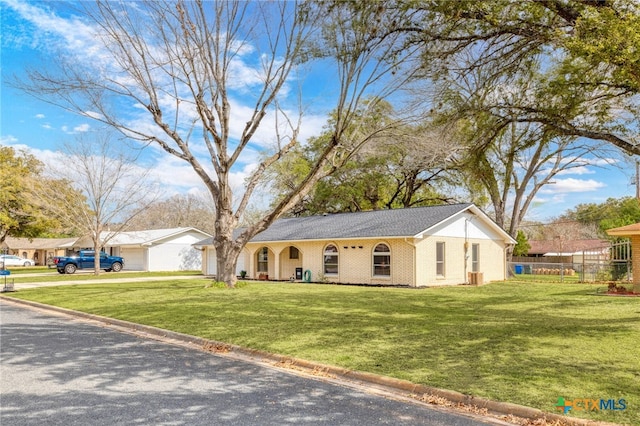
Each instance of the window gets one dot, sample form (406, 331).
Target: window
(382, 260)
(475, 257)
(294, 253)
(440, 259)
(263, 260)
(331, 260)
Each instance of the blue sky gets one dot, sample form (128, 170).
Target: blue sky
(32, 31)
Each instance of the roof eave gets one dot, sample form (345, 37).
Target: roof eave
(173, 234)
(622, 233)
(312, 240)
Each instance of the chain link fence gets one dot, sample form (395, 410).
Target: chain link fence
(571, 272)
(611, 263)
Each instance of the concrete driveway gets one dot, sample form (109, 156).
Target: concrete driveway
(56, 370)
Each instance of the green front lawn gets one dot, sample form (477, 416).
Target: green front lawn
(523, 343)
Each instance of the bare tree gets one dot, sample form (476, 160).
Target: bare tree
(422, 157)
(511, 157)
(181, 210)
(565, 229)
(402, 165)
(181, 62)
(110, 189)
(520, 161)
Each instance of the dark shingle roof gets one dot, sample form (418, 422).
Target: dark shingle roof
(378, 223)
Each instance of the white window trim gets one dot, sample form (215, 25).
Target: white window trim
(380, 253)
(443, 261)
(266, 261)
(332, 253)
(475, 257)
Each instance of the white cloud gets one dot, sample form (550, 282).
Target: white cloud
(176, 175)
(8, 140)
(81, 128)
(39, 116)
(76, 35)
(570, 185)
(581, 170)
(604, 162)
(93, 114)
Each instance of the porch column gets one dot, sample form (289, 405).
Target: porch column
(635, 262)
(276, 264)
(251, 267)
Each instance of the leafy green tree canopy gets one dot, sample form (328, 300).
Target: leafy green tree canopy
(522, 246)
(20, 213)
(613, 213)
(584, 54)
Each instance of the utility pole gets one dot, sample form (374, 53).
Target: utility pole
(638, 180)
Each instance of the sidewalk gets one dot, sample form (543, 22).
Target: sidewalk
(119, 279)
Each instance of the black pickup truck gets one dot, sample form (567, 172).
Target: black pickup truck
(85, 259)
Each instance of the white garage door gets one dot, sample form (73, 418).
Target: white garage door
(133, 258)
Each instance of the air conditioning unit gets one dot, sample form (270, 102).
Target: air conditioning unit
(475, 278)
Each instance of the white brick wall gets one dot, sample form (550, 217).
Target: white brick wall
(413, 261)
(491, 260)
(355, 260)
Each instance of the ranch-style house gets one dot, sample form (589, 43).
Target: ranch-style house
(420, 246)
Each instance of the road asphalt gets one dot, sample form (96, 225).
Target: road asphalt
(57, 370)
(31, 339)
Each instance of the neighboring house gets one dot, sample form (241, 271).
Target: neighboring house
(151, 250)
(154, 250)
(38, 249)
(566, 251)
(421, 246)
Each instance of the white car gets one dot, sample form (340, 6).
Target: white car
(11, 260)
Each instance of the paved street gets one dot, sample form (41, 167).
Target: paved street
(60, 371)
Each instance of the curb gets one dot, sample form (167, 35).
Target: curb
(414, 391)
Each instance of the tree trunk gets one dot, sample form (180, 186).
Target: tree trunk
(226, 267)
(227, 250)
(96, 257)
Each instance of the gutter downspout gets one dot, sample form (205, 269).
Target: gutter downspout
(466, 249)
(415, 262)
